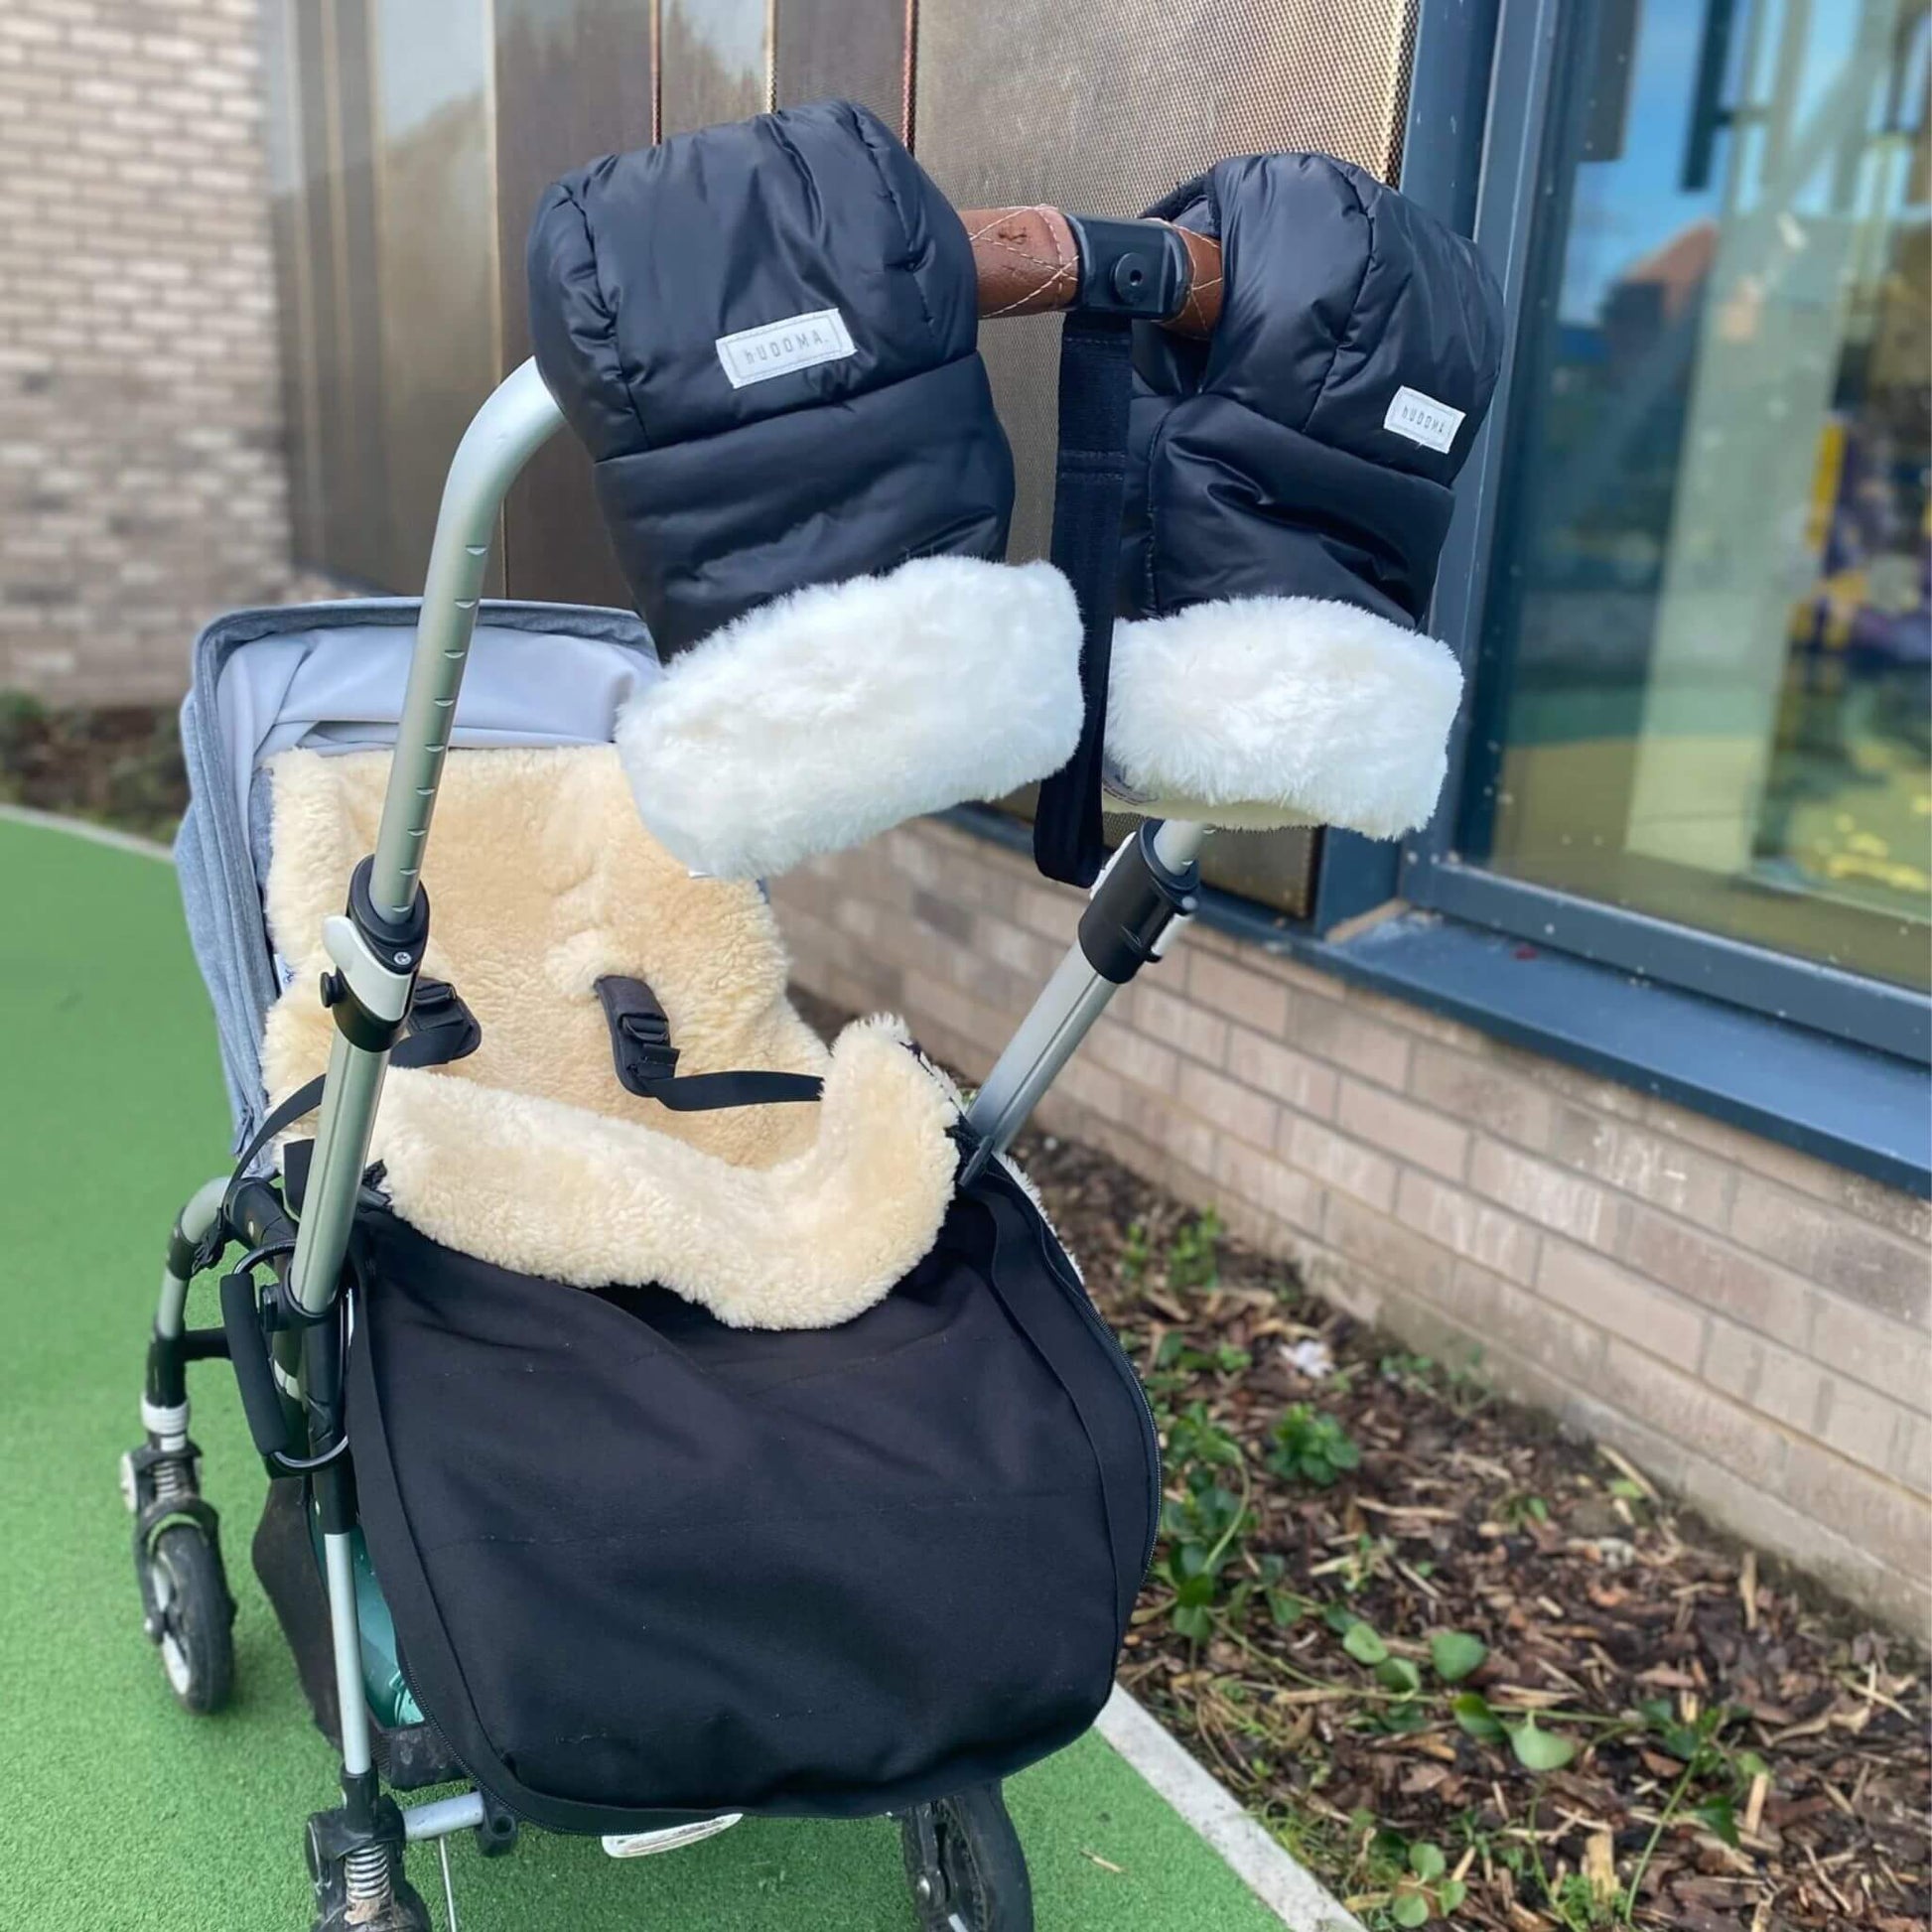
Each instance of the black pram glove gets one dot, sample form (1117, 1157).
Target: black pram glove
(765, 334)
(1289, 494)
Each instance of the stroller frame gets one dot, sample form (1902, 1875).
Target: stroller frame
(1147, 894)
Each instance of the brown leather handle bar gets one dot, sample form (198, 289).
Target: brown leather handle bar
(1029, 263)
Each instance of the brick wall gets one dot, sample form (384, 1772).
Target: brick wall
(1753, 1327)
(141, 484)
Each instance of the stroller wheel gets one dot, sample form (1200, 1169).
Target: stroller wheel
(193, 1618)
(965, 1866)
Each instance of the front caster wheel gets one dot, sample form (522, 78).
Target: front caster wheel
(191, 1616)
(965, 1866)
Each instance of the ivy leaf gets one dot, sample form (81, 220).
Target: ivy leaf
(1720, 1819)
(1471, 1711)
(1410, 1908)
(1540, 1750)
(1362, 1645)
(1427, 1862)
(1399, 1675)
(1455, 1654)
(1192, 1622)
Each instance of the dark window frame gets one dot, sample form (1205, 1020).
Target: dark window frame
(1528, 41)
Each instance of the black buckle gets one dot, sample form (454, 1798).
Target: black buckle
(649, 1054)
(640, 1034)
(435, 1009)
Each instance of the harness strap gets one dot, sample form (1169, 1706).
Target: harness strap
(1089, 498)
(646, 1062)
(440, 1029)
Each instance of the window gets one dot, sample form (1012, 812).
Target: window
(1701, 687)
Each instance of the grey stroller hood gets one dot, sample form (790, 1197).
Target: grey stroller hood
(329, 677)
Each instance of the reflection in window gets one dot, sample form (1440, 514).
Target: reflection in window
(1706, 689)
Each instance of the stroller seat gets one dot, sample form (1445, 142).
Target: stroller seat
(530, 1153)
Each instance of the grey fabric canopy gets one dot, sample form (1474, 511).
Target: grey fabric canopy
(331, 678)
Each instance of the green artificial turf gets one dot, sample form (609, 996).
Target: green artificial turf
(119, 1812)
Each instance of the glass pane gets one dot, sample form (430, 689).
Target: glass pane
(1705, 688)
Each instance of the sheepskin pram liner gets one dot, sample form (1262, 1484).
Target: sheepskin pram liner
(531, 1153)
(854, 1517)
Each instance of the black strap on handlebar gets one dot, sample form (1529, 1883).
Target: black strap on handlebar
(1089, 497)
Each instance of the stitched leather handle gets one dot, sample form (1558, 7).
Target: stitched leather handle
(1029, 263)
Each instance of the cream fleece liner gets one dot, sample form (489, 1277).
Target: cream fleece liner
(1265, 711)
(812, 723)
(529, 1154)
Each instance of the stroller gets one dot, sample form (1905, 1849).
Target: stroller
(667, 1416)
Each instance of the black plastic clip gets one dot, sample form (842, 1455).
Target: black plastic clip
(640, 1034)
(1136, 269)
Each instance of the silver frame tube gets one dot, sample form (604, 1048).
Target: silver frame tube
(442, 1816)
(194, 1221)
(345, 1637)
(1059, 1019)
(506, 432)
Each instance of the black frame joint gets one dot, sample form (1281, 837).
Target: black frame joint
(1136, 269)
(1137, 899)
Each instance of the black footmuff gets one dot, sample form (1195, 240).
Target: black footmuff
(646, 1567)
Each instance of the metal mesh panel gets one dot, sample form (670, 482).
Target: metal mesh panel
(716, 62)
(854, 49)
(1103, 109)
(573, 79)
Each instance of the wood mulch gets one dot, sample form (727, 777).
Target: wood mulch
(1736, 1755)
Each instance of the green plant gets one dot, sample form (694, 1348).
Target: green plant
(1538, 1750)
(1455, 1654)
(1582, 1907)
(1286, 1607)
(1202, 1526)
(1519, 1510)
(1178, 1354)
(1425, 1889)
(1696, 1741)
(1205, 1522)
(1134, 1253)
(1311, 1447)
(1194, 1254)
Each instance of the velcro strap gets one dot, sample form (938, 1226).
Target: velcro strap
(1089, 497)
(646, 1062)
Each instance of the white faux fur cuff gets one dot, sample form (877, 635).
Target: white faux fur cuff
(1265, 711)
(813, 723)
